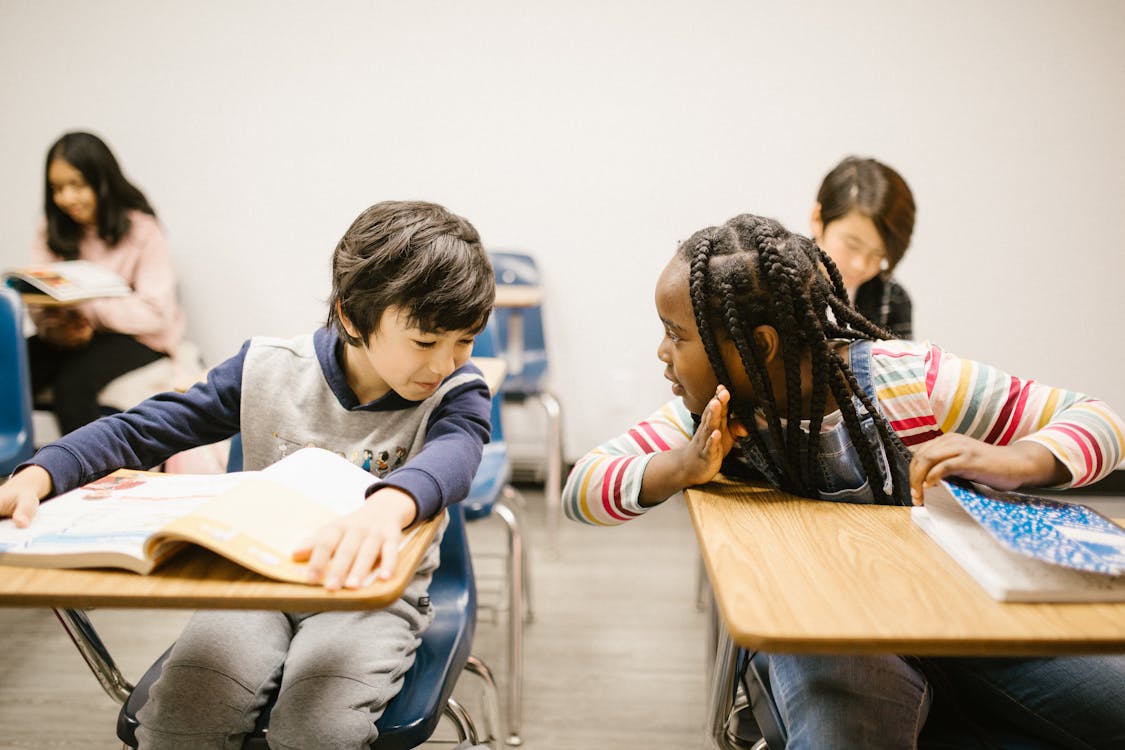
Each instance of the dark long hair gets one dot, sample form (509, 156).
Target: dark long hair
(751, 271)
(115, 195)
(876, 191)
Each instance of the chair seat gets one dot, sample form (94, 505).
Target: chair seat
(489, 482)
(531, 378)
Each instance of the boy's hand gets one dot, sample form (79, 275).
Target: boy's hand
(1002, 467)
(344, 552)
(20, 495)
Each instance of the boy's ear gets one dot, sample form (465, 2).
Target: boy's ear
(351, 329)
(768, 342)
(816, 224)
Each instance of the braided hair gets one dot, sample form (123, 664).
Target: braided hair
(751, 271)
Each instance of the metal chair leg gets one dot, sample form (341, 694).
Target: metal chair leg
(491, 699)
(515, 503)
(462, 721)
(81, 631)
(722, 693)
(516, 567)
(552, 486)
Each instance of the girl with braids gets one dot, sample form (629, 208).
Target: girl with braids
(93, 213)
(863, 218)
(775, 375)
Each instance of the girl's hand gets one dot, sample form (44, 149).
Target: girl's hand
(702, 458)
(343, 553)
(20, 495)
(1002, 467)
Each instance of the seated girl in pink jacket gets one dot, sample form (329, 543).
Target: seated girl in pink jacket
(93, 213)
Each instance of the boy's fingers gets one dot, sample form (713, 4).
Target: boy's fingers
(26, 505)
(342, 560)
(364, 562)
(390, 559)
(323, 546)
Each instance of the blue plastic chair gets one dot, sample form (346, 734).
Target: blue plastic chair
(492, 494)
(16, 437)
(523, 345)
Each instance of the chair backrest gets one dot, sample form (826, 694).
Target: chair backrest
(519, 269)
(16, 437)
(487, 344)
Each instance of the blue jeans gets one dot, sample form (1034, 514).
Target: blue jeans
(877, 702)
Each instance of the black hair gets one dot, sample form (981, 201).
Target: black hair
(876, 191)
(116, 196)
(415, 256)
(751, 271)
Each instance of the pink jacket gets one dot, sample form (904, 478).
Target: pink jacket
(152, 313)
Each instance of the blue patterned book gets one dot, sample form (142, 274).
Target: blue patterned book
(1025, 548)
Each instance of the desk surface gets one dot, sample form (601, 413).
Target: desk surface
(795, 575)
(198, 579)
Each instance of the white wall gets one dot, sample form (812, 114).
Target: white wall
(598, 134)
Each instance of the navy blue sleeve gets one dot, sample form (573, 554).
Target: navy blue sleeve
(442, 472)
(151, 432)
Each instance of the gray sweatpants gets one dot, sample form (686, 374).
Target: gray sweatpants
(334, 673)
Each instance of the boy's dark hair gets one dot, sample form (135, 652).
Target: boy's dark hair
(415, 256)
(876, 191)
(751, 271)
(115, 194)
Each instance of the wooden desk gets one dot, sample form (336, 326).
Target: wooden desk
(198, 579)
(791, 575)
(518, 295)
(796, 575)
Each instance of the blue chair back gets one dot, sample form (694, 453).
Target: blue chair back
(487, 344)
(520, 269)
(16, 439)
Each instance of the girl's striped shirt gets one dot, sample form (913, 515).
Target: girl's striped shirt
(923, 391)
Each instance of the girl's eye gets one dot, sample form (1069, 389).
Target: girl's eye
(672, 337)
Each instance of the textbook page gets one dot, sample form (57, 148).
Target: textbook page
(68, 280)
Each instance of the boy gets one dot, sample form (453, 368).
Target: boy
(389, 376)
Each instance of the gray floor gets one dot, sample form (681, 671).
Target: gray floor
(614, 657)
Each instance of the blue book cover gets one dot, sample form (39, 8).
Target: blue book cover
(1067, 534)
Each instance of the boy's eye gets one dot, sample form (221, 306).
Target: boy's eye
(468, 342)
(424, 344)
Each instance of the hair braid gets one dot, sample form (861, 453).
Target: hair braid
(752, 272)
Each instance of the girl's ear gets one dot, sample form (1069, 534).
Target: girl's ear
(816, 224)
(768, 342)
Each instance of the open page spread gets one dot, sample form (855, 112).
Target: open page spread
(1024, 548)
(135, 520)
(68, 280)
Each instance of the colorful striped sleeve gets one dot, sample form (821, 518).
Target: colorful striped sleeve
(604, 487)
(926, 392)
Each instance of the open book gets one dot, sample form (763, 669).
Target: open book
(136, 520)
(67, 281)
(1024, 548)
